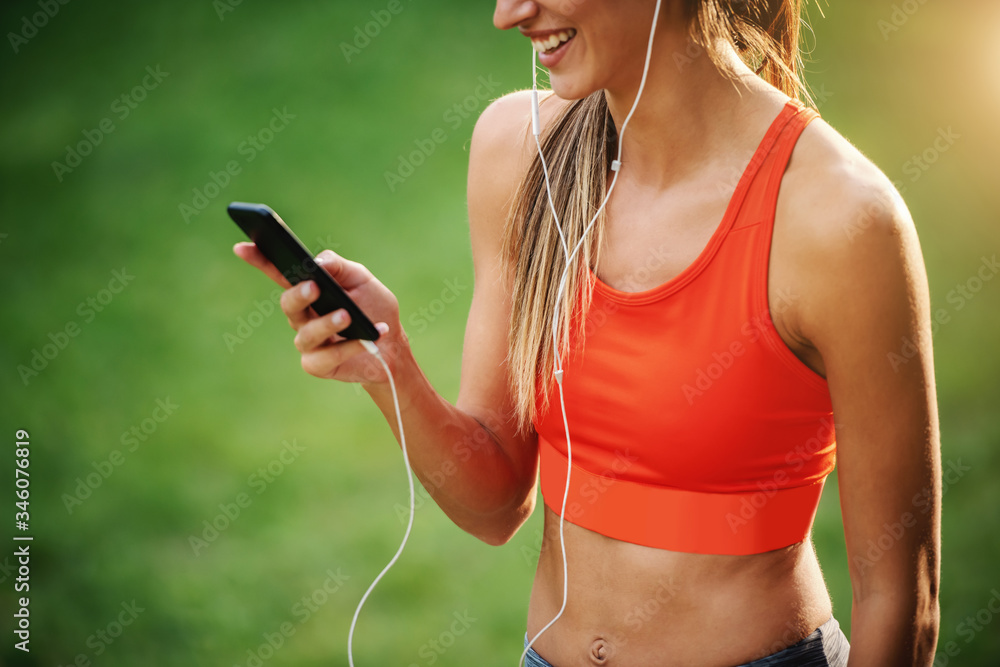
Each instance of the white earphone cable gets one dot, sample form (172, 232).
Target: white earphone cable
(557, 372)
(570, 256)
(373, 349)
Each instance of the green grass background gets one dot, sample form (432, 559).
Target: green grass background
(335, 507)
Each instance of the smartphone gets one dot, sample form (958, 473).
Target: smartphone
(277, 242)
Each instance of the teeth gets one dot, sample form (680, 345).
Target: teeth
(553, 40)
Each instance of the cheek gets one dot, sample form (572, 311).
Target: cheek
(573, 9)
(576, 82)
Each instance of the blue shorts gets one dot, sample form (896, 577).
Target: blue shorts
(826, 646)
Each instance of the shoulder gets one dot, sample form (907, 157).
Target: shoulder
(831, 181)
(506, 122)
(502, 145)
(853, 242)
(501, 151)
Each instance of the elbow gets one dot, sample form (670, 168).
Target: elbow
(928, 608)
(498, 528)
(928, 623)
(905, 618)
(498, 491)
(925, 631)
(496, 539)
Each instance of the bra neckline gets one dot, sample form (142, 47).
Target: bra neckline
(791, 107)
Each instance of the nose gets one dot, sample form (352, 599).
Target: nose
(511, 12)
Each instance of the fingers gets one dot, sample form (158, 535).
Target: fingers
(323, 358)
(323, 362)
(348, 274)
(317, 331)
(295, 303)
(252, 255)
(322, 350)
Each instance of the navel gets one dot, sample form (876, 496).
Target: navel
(601, 651)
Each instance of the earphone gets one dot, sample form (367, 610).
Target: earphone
(372, 348)
(374, 351)
(557, 371)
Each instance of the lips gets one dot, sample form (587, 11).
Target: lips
(551, 42)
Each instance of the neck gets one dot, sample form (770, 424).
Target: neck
(689, 109)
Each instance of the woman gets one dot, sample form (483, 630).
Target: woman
(726, 350)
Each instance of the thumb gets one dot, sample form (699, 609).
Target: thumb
(348, 274)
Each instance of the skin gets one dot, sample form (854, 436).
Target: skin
(843, 243)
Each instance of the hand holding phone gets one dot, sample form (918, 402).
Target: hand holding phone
(284, 250)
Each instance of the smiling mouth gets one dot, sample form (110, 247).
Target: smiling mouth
(554, 41)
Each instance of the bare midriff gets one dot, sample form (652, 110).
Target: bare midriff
(636, 605)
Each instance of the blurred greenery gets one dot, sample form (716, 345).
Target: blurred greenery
(332, 513)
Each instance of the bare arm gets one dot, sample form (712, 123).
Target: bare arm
(494, 495)
(868, 314)
(467, 455)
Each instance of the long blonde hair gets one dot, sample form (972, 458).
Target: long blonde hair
(579, 145)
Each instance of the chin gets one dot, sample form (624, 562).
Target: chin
(570, 88)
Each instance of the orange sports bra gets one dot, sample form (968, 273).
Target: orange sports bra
(694, 428)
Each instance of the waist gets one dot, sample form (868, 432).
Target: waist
(642, 606)
(747, 522)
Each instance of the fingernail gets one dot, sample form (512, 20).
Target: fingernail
(339, 317)
(382, 327)
(306, 289)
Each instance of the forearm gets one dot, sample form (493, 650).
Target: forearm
(888, 632)
(463, 467)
